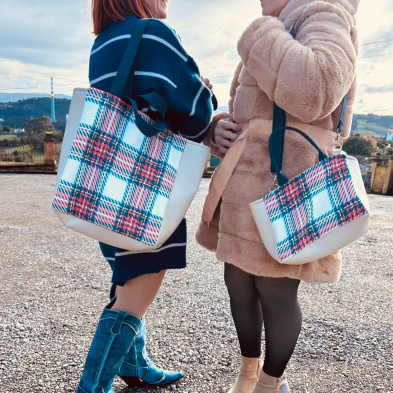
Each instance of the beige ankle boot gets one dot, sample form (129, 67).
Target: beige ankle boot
(268, 384)
(248, 375)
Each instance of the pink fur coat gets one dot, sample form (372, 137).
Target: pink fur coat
(308, 77)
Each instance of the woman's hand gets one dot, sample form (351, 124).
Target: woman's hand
(207, 82)
(225, 133)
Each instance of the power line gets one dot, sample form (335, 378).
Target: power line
(376, 42)
(49, 53)
(208, 68)
(221, 76)
(378, 55)
(213, 21)
(379, 86)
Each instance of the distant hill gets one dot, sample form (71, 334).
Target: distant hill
(369, 124)
(17, 113)
(7, 97)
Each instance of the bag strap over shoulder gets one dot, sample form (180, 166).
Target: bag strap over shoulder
(124, 81)
(276, 140)
(125, 73)
(279, 118)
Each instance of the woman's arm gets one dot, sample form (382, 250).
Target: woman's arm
(307, 76)
(174, 75)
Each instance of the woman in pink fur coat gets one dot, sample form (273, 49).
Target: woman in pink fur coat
(307, 76)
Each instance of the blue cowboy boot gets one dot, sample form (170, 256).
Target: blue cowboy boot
(138, 367)
(113, 338)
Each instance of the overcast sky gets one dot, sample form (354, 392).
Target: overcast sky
(44, 38)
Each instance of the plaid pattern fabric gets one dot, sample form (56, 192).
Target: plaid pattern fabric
(115, 176)
(312, 204)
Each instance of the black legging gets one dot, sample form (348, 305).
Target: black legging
(257, 300)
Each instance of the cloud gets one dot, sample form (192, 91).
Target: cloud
(379, 103)
(44, 38)
(379, 89)
(212, 41)
(22, 77)
(45, 34)
(389, 6)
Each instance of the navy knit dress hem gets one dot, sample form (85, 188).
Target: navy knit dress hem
(127, 265)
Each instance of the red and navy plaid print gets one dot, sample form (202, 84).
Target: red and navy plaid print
(312, 204)
(115, 176)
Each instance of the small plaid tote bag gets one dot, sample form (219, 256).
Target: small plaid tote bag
(319, 211)
(122, 178)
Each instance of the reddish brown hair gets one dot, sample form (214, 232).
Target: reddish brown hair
(106, 11)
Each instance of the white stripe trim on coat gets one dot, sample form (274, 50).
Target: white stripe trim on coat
(195, 136)
(196, 99)
(155, 75)
(120, 37)
(166, 43)
(101, 78)
(121, 254)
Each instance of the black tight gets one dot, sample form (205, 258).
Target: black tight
(273, 301)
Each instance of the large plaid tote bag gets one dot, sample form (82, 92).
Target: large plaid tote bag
(122, 178)
(317, 212)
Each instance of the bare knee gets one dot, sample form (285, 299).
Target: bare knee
(136, 296)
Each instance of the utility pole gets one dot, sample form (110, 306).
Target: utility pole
(53, 114)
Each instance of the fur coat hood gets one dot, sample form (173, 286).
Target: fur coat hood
(307, 76)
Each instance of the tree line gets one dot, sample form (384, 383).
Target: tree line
(17, 114)
(33, 114)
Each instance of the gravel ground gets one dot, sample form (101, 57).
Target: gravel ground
(54, 284)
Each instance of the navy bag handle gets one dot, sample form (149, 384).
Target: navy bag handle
(124, 81)
(274, 155)
(279, 120)
(276, 139)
